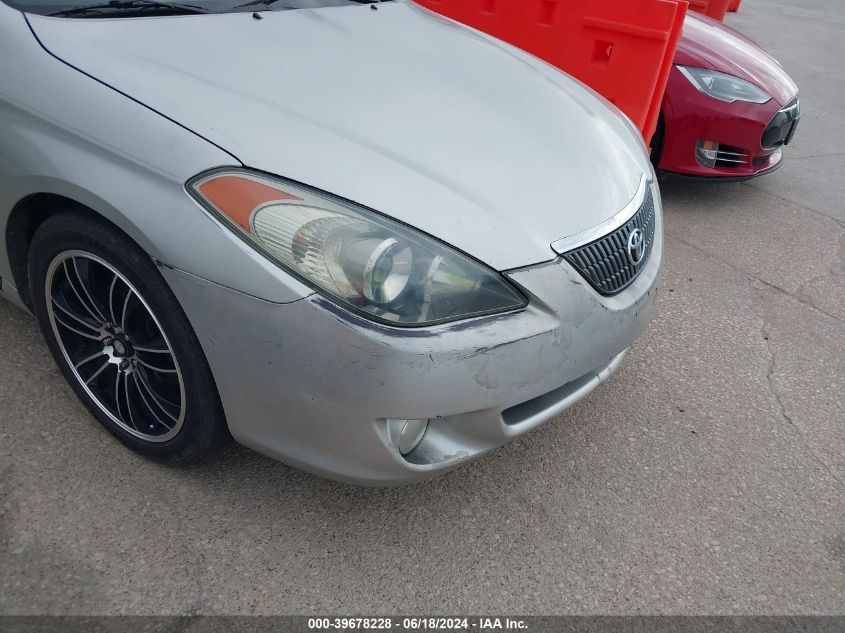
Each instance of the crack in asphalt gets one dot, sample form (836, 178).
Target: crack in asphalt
(770, 379)
(802, 293)
(772, 354)
(752, 185)
(807, 301)
(836, 269)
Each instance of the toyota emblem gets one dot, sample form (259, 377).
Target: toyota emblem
(636, 247)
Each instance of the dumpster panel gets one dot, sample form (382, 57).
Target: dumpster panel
(715, 9)
(622, 49)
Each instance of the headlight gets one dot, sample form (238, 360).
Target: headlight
(722, 86)
(371, 264)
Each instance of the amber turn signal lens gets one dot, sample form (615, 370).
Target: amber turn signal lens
(239, 196)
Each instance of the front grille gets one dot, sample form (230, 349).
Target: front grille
(605, 263)
(782, 127)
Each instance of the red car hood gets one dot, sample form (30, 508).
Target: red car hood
(710, 44)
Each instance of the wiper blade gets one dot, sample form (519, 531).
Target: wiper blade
(129, 5)
(255, 3)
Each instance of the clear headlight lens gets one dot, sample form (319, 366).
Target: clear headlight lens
(722, 86)
(374, 265)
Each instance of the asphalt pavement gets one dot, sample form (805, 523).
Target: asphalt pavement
(708, 476)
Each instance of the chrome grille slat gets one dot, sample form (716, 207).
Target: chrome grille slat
(604, 263)
(730, 157)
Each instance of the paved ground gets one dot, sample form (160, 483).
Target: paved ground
(707, 477)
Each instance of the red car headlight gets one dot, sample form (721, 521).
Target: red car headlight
(722, 86)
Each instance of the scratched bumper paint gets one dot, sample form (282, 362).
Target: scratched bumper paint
(311, 384)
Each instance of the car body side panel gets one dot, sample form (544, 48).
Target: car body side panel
(65, 133)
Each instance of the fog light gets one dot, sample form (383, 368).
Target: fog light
(706, 153)
(406, 435)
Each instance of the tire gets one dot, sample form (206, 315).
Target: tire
(122, 340)
(658, 141)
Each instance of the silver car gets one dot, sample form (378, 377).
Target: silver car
(359, 238)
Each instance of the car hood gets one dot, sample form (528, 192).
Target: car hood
(711, 44)
(424, 120)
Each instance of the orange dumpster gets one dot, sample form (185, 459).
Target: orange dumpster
(623, 49)
(715, 9)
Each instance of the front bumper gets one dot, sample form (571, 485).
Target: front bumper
(311, 384)
(739, 128)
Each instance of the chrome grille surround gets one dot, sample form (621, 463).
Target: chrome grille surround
(605, 262)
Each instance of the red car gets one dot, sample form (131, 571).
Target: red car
(729, 106)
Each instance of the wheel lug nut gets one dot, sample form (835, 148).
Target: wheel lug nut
(124, 364)
(108, 340)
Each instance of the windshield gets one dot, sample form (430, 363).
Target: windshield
(51, 7)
